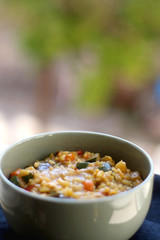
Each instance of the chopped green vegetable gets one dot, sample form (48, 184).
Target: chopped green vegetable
(81, 165)
(105, 167)
(15, 180)
(92, 159)
(27, 177)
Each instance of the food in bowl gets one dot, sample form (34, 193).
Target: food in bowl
(76, 174)
(113, 217)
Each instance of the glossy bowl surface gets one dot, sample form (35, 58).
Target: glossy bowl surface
(109, 218)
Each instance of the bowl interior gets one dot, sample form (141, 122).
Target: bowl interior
(25, 152)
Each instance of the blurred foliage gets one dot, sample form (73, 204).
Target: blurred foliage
(123, 34)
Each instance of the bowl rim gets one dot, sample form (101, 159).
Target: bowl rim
(70, 200)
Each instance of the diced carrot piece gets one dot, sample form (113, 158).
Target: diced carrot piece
(29, 187)
(70, 157)
(88, 185)
(80, 152)
(15, 173)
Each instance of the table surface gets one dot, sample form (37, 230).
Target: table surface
(150, 228)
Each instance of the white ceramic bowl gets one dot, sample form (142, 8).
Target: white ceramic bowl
(109, 218)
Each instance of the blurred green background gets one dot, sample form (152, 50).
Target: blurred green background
(86, 65)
